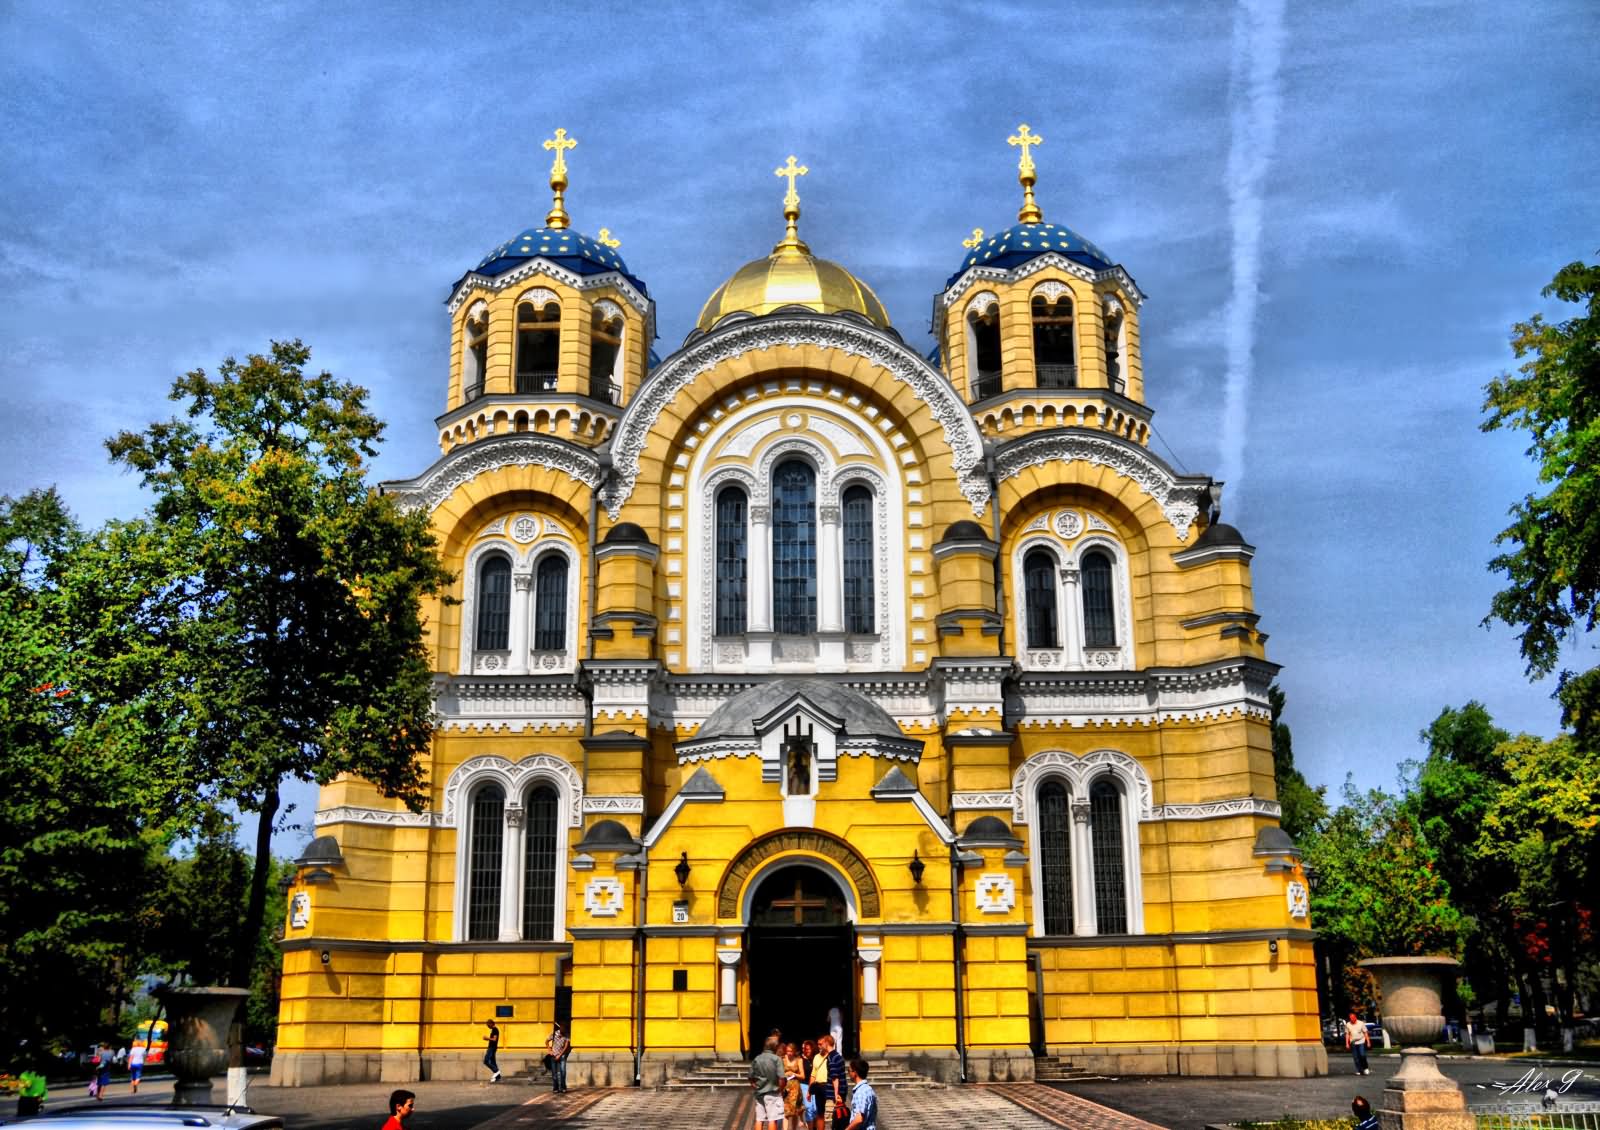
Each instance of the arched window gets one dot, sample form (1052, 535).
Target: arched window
(539, 864)
(1054, 832)
(494, 604)
(859, 613)
(1105, 835)
(731, 557)
(1039, 593)
(550, 604)
(538, 346)
(1114, 352)
(605, 344)
(1053, 360)
(1099, 615)
(794, 548)
(983, 327)
(485, 834)
(475, 357)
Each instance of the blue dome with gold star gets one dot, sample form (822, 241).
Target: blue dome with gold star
(1022, 242)
(576, 252)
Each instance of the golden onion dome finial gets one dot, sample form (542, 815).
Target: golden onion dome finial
(557, 216)
(605, 238)
(977, 238)
(1026, 173)
(791, 243)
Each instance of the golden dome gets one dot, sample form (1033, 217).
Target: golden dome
(792, 276)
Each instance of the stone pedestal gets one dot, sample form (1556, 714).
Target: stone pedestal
(1420, 1098)
(197, 1038)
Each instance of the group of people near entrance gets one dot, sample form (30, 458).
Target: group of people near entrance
(811, 1086)
(557, 1048)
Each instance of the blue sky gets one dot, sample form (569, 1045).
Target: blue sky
(1336, 210)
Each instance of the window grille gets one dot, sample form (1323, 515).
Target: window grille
(985, 331)
(494, 604)
(1054, 364)
(604, 344)
(731, 559)
(538, 347)
(483, 866)
(539, 865)
(1039, 585)
(1105, 834)
(550, 604)
(1099, 618)
(859, 559)
(794, 549)
(1054, 829)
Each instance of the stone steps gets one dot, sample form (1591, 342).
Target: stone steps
(736, 1076)
(1054, 1069)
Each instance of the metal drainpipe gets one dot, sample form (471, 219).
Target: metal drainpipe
(957, 939)
(638, 967)
(994, 525)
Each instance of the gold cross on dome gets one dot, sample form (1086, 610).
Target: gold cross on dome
(1030, 213)
(605, 238)
(561, 142)
(977, 238)
(791, 243)
(1023, 138)
(791, 170)
(557, 218)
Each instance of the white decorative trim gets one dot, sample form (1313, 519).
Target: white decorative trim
(975, 275)
(514, 777)
(981, 302)
(539, 296)
(1051, 289)
(625, 804)
(1072, 652)
(462, 464)
(994, 893)
(817, 862)
(300, 910)
(1079, 773)
(541, 266)
(379, 817)
(1219, 809)
(972, 802)
(663, 385)
(607, 309)
(524, 603)
(602, 896)
(1180, 499)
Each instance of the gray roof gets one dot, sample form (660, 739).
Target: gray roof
(738, 716)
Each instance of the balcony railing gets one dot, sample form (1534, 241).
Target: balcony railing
(987, 384)
(538, 380)
(604, 388)
(1057, 376)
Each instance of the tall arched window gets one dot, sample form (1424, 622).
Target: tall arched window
(731, 557)
(475, 357)
(1054, 832)
(485, 835)
(494, 604)
(1114, 352)
(1055, 366)
(538, 346)
(1099, 614)
(794, 548)
(1039, 594)
(860, 616)
(983, 327)
(605, 343)
(539, 864)
(1110, 881)
(550, 604)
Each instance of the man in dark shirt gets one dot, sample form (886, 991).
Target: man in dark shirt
(493, 1040)
(836, 1087)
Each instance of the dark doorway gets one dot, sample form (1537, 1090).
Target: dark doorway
(802, 959)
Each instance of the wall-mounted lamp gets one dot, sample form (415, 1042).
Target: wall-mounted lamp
(326, 957)
(917, 867)
(1272, 945)
(682, 870)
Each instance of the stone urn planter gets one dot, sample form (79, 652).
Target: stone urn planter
(1418, 1097)
(198, 1020)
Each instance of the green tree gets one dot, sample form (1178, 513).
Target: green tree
(289, 615)
(1553, 560)
(1304, 807)
(76, 814)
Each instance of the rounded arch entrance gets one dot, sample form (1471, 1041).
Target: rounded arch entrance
(829, 854)
(800, 954)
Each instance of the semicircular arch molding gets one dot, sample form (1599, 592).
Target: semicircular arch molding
(431, 489)
(1180, 497)
(1079, 773)
(795, 331)
(515, 776)
(796, 846)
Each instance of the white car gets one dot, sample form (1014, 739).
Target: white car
(109, 1116)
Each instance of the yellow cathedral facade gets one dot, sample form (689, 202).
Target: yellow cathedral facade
(799, 677)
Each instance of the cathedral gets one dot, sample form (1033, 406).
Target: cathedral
(799, 673)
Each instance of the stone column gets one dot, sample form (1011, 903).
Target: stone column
(511, 875)
(728, 984)
(521, 615)
(760, 573)
(870, 958)
(1071, 612)
(830, 571)
(1083, 917)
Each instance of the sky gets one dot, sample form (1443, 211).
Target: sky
(1337, 212)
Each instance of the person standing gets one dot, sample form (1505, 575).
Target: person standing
(401, 1104)
(794, 1071)
(819, 1083)
(863, 1099)
(102, 1072)
(765, 1072)
(559, 1048)
(136, 1056)
(31, 1095)
(836, 1081)
(492, 1040)
(1356, 1039)
(1362, 1109)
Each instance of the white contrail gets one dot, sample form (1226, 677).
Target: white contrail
(1257, 50)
